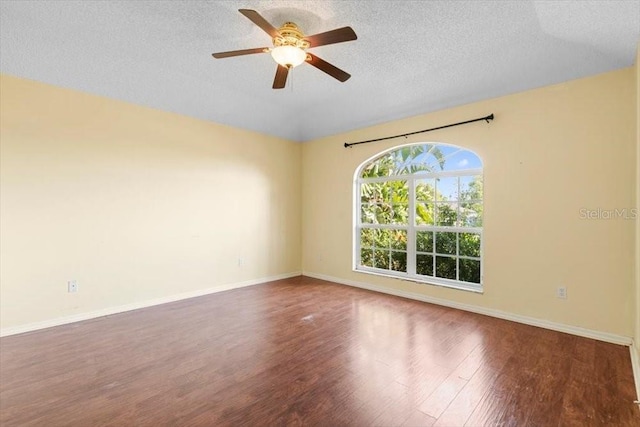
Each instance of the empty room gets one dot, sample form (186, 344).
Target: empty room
(327, 213)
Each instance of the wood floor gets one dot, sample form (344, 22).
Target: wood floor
(307, 352)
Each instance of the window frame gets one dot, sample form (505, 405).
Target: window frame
(412, 228)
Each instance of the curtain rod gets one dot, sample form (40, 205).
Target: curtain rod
(488, 118)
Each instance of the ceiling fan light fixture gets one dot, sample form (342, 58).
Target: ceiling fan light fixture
(288, 56)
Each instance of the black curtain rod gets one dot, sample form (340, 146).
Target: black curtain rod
(488, 118)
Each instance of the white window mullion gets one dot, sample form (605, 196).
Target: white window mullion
(422, 175)
(433, 258)
(458, 224)
(458, 205)
(481, 257)
(358, 226)
(411, 229)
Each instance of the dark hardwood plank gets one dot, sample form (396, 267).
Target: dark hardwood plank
(487, 367)
(308, 352)
(418, 419)
(441, 397)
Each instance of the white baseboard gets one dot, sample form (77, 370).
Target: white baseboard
(635, 364)
(13, 330)
(541, 323)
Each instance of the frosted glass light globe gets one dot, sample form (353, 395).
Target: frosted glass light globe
(288, 56)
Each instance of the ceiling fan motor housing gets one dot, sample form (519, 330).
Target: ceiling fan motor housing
(290, 35)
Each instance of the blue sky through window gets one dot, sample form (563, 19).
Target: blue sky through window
(425, 158)
(455, 159)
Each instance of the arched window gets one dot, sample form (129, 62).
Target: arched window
(419, 214)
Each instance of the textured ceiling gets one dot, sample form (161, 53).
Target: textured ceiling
(411, 57)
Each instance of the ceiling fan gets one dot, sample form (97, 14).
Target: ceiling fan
(290, 47)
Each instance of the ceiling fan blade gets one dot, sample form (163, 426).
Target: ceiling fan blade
(240, 52)
(257, 19)
(281, 77)
(338, 35)
(330, 69)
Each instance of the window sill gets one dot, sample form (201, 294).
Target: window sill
(428, 281)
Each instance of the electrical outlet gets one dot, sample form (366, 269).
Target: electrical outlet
(240, 262)
(72, 286)
(561, 292)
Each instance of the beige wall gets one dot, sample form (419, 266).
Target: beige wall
(637, 325)
(549, 153)
(133, 203)
(138, 204)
